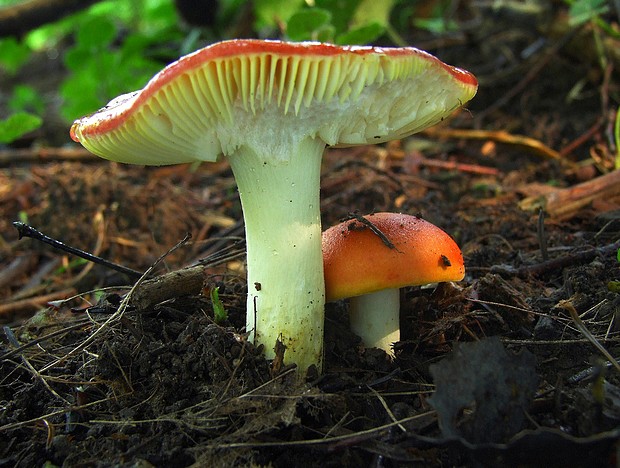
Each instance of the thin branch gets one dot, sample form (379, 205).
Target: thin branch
(17, 20)
(25, 230)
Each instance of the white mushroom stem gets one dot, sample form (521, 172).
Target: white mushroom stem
(286, 292)
(375, 319)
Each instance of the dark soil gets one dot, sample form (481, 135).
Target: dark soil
(499, 369)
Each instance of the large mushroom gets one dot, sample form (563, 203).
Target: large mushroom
(370, 258)
(270, 108)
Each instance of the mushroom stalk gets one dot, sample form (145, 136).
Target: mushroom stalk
(374, 318)
(286, 292)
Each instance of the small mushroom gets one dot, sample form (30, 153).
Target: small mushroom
(271, 108)
(368, 261)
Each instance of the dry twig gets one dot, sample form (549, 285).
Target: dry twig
(500, 136)
(566, 202)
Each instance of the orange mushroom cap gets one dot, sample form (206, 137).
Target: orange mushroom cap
(358, 261)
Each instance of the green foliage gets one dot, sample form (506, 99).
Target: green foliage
(220, 315)
(311, 24)
(13, 54)
(102, 67)
(272, 13)
(74, 263)
(406, 14)
(337, 21)
(341, 11)
(18, 124)
(361, 35)
(613, 286)
(372, 12)
(22, 216)
(117, 47)
(582, 11)
(435, 24)
(26, 98)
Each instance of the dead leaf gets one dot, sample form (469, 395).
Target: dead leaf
(482, 391)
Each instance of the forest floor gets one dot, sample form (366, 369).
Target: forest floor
(507, 367)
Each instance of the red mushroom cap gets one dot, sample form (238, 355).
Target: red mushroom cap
(358, 261)
(206, 103)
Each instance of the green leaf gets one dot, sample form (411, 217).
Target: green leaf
(26, 99)
(157, 16)
(437, 25)
(582, 11)
(18, 124)
(307, 24)
(80, 96)
(372, 12)
(75, 58)
(23, 217)
(74, 263)
(96, 33)
(99, 77)
(270, 13)
(13, 54)
(362, 35)
(613, 286)
(219, 312)
(618, 255)
(325, 34)
(341, 10)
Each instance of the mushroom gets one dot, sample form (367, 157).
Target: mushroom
(270, 108)
(369, 258)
